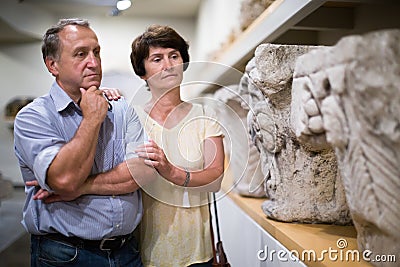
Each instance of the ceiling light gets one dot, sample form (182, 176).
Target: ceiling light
(123, 4)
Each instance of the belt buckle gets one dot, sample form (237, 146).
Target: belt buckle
(103, 245)
(103, 242)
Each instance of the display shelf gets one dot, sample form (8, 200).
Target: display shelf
(274, 21)
(278, 18)
(307, 237)
(301, 237)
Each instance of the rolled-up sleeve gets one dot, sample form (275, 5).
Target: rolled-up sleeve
(36, 142)
(41, 164)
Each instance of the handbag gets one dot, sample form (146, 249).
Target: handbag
(219, 254)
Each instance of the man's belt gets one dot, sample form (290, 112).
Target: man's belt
(111, 243)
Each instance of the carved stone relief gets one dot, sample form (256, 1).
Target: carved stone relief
(244, 163)
(351, 94)
(303, 183)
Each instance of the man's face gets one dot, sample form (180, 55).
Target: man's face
(79, 64)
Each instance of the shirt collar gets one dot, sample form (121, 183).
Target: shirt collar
(60, 97)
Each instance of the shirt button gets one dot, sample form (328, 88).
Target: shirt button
(117, 225)
(113, 196)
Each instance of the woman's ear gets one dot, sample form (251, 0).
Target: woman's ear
(51, 65)
(144, 77)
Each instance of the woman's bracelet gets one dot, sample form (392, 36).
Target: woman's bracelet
(187, 180)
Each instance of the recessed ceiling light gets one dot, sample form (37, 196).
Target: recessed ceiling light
(123, 4)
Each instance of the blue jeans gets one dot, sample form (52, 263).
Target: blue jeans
(46, 252)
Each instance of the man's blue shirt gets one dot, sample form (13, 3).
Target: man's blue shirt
(40, 130)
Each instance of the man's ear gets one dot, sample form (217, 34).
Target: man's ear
(52, 66)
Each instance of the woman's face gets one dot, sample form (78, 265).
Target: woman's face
(164, 68)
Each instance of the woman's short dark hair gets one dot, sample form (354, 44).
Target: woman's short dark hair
(157, 36)
(51, 40)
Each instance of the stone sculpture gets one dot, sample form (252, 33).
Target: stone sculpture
(351, 93)
(303, 182)
(244, 158)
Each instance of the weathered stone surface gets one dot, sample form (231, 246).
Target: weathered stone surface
(244, 159)
(251, 9)
(303, 184)
(356, 87)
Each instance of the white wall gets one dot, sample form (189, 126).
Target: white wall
(22, 74)
(216, 21)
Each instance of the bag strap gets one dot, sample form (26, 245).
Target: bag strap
(220, 258)
(212, 232)
(216, 218)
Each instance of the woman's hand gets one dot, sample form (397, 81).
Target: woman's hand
(154, 156)
(111, 93)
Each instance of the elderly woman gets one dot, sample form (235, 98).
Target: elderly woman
(186, 149)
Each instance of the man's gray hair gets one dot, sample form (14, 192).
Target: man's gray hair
(51, 40)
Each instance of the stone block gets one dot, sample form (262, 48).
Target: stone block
(303, 183)
(356, 87)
